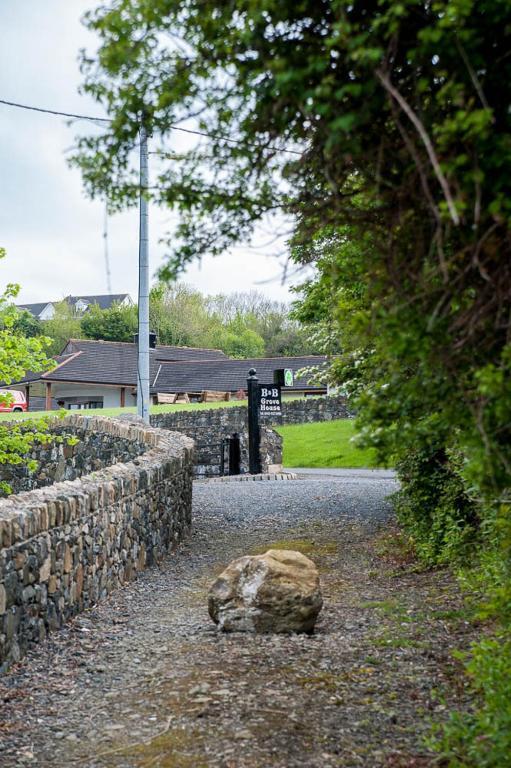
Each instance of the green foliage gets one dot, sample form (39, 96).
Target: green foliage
(16, 440)
(242, 343)
(401, 197)
(482, 739)
(271, 320)
(114, 324)
(17, 355)
(178, 315)
(434, 507)
(27, 325)
(64, 325)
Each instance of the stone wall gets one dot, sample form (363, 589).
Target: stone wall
(209, 426)
(67, 545)
(57, 461)
(208, 447)
(234, 418)
(208, 434)
(309, 409)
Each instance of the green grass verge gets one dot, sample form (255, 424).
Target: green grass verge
(324, 444)
(118, 411)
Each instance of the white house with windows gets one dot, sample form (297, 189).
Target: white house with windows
(45, 310)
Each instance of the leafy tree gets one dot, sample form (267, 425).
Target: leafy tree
(400, 114)
(113, 324)
(270, 319)
(18, 354)
(64, 325)
(242, 343)
(178, 315)
(27, 325)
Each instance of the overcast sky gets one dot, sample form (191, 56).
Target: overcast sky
(52, 232)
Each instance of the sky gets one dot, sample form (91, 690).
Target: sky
(52, 232)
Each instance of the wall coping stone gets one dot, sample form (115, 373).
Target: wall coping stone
(29, 513)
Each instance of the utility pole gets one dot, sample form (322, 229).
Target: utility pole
(143, 284)
(106, 252)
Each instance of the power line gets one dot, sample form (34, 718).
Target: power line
(222, 137)
(227, 138)
(54, 112)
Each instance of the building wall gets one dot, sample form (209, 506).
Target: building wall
(64, 547)
(111, 395)
(208, 437)
(314, 408)
(48, 312)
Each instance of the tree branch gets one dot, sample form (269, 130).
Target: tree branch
(385, 81)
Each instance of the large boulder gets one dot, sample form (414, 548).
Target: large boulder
(275, 592)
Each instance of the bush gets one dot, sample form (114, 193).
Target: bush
(433, 505)
(482, 739)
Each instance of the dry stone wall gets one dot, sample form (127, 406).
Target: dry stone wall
(57, 461)
(67, 545)
(209, 426)
(234, 418)
(309, 409)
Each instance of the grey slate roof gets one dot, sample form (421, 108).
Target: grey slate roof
(172, 369)
(31, 376)
(228, 375)
(34, 309)
(113, 362)
(103, 301)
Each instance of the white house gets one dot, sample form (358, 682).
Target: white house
(45, 310)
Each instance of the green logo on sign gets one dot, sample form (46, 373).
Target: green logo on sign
(288, 377)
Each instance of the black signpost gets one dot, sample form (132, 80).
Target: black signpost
(263, 399)
(254, 432)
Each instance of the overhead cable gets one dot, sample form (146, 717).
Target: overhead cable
(73, 116)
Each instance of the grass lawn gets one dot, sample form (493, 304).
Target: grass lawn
(118, 411)
(131, 409)
(324, 444)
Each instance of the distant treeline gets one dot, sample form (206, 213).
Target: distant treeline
(240, 324)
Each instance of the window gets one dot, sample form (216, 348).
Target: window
(83, 405)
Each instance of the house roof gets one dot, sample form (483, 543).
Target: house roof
(31, 376)
(172, 369)
(228, 375)
(113, 362)
(104, 301)
(34, 309)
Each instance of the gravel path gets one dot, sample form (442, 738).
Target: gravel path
(144, 679)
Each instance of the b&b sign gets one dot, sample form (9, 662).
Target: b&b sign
(270, 400)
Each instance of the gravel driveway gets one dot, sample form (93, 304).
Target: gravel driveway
(144, 679)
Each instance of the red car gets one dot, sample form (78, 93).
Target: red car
(18, 401)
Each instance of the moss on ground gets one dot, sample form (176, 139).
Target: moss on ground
(305, 546)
